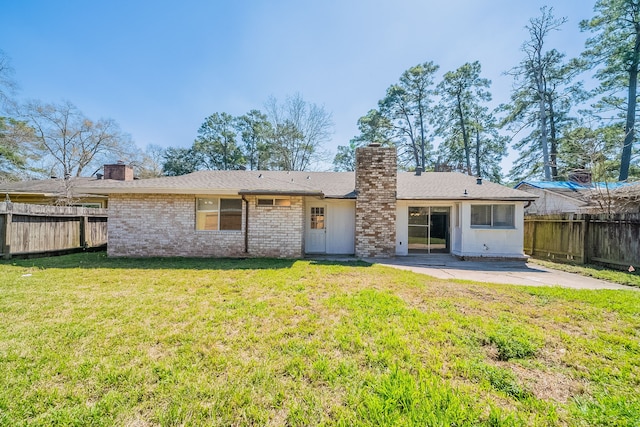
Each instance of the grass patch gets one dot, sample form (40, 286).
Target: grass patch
(88, 340)
(596, 271)
(514, 341)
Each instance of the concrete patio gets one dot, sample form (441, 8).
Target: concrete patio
(445, 266)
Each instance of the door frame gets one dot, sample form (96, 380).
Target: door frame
(429, 226)
(308, 230)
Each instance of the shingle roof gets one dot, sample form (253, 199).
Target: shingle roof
(452, 186)
(204, 182)
(48, 187)
(428, 186)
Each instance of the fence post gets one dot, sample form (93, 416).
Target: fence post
(6, 242)
(586, 254)
(84, 228)
(532, 221)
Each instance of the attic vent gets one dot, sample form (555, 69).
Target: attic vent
(418, 171)
(479, 181)
(308, 177)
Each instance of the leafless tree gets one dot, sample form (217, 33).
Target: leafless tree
(148, 163)
(299, 129)
(72, 142)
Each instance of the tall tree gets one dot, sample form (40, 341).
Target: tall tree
(592, 149)
(374, 128)
(14, 134)
(179, 161)
(216, 144)
(542, 86)
(615, 48)
(489, 147)
(254, 129)
(17, 149)
(462, 92)
(345, 159)
(299, 129)
(72, 143)
(407, 105)
(7, 83)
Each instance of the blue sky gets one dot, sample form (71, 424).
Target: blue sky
(160, 67)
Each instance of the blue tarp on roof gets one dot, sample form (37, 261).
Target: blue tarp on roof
(570, 185)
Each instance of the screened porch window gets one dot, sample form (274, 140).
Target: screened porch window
(218, 214)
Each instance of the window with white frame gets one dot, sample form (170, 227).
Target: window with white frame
(493, 216)
(213, 213)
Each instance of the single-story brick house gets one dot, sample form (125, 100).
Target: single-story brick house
(375, 211)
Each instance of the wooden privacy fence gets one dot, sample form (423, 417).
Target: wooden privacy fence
(36, 229)
(612, 240)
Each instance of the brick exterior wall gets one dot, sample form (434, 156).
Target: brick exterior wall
(148, 225)
(376, 183)
(276, 231)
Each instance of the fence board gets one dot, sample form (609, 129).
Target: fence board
(37, 229)
(612, 240)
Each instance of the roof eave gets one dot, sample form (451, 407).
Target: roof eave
(107, 191)
(496, 199)
(279, 193)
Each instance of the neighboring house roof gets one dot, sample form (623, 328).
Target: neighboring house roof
(52, 187)
(570, 185)
(630, 189)
(428, 186)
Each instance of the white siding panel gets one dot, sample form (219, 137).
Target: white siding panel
(402, 230)
(341, 226)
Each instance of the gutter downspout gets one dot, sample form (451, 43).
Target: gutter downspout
(246, 224)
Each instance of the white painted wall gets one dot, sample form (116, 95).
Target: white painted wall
(465, 240)
(491, 242)
(341, 226)
(456, 226)
(402, 222)
(402, 230)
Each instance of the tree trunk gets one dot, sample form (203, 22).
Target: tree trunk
(465, 136)
(629, 132)
(422, 142)
(553, 155)
(478, 170)
(542, 122)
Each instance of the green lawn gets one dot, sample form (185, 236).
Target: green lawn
(599, 272)
(86, 340)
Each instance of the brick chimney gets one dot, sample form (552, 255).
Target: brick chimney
(119, 172)
(376, 185)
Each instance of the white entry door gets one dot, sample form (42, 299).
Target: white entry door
(316, 235)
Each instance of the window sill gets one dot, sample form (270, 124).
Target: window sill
(488, 227)
(218, 231)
